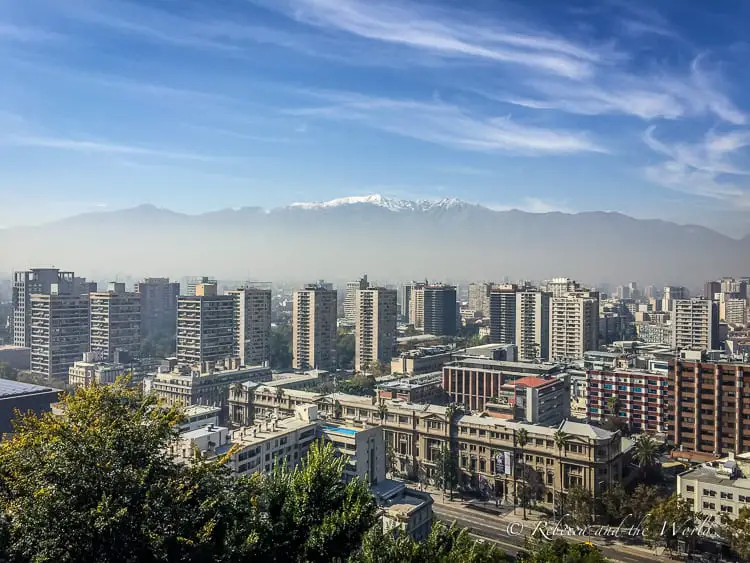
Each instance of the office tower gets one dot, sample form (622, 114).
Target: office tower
(532, 324)
(59, 333)
(671, 294)
(440, 316)
(193, 283)
(115, 317)
(314, 328)
(28, 283)
(635, 293)
(574, 325)
(696, 324)
(405, 300)
(708, 407)
(622, 292)
(158, 305)
(350, 299)
(710, 289)
(479, 297)
(416, 307)
(252, 325)
(503, 314)
(375, 333)
(205, 326)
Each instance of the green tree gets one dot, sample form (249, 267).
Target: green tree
(104, 466)
(100, 485)
(642, 500)
(646, 453)
(522, 438)
(670, 521)
(580, 505)
(280, 344)
(737, 532)
(615, 504)
(444, 544)
(446, 469)
(538, 550)
(345, 348)
(561, 439)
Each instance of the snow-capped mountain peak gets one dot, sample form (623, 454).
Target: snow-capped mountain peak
(392, 204)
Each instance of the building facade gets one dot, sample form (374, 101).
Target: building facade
(205, 327)
(115, 317)
(573, 326)
(91, 370)
(375, 328)
(158, 305)
(718, 489)
(191, 288)
(532, 324)
(440, 310)
(28, 283)
(479, 298)
(59, 333)
(416, 306)
(503, 314)
(350, 298)
(695, 324)
(252, 325)
(642, 398)
(314, 328)
(709, 406)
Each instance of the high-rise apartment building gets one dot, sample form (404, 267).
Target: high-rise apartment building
(440, 310)
(193, 283)
(59, 333)
(252, 325)
(532, 324)
(733, 311)
(31, 282)
(503, 314)
(695, 324)
(734, 286)
(559, 287)
(479, 297)
(574, 325)
(314, 328)
(115, 317)
(416, 308)
(350, 298)
(408, 309)
(671, 294)
(205, 326)
(158, 304)
(375, 333)
(709, 404)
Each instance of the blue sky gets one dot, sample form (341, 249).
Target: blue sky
(194, 105)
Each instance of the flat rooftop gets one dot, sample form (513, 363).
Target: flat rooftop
(534, 382)
(500, 365)
(249, 435)
(199, 410)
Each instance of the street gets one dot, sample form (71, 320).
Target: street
(497, 529)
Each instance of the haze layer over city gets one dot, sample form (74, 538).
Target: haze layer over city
(374, 281)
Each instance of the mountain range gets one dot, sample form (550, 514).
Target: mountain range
(387, 238)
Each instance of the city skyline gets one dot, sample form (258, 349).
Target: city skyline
(621, 106)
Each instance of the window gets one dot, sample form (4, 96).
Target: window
(726, 508)
(727, 496)
(690, 488)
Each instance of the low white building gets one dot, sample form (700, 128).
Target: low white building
(197, 416)
(404, 509)
(717, 488)
(91, 370)
(364, 448)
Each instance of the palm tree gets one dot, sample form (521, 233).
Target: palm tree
(382, 411)
(561, 439)
(522, 438)
(646, 452)
(613, 404)
(451, 411)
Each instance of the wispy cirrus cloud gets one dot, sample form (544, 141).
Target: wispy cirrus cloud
(451, 34)
(25, 34)
(704, 169)
(93, 147)
(448, 125)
